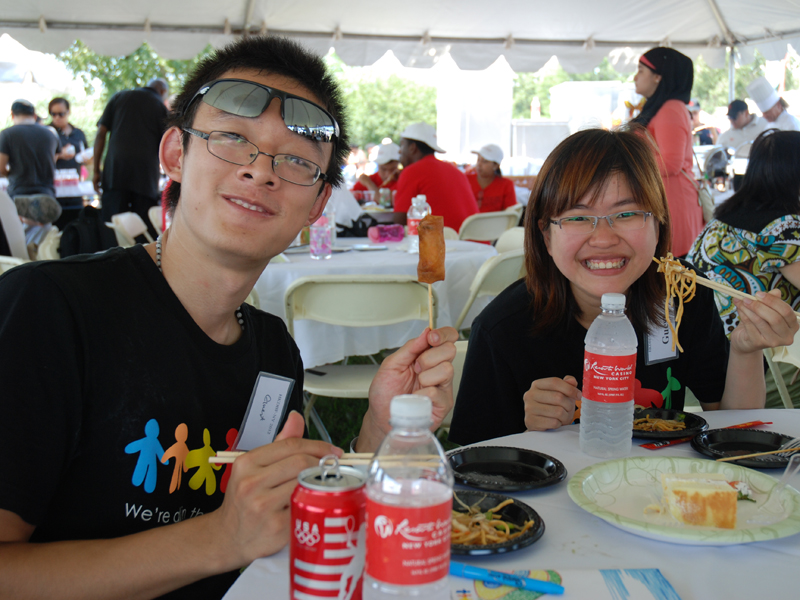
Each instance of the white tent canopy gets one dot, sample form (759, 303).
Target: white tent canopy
(473, 32)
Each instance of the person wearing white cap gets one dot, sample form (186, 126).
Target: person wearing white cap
(492, 191)
(388, 161)
(445, 187)
(772, 106)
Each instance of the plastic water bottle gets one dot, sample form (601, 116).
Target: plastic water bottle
(609, 372)
(409, 502)
(418, 210)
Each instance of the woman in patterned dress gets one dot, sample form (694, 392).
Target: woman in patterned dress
(753, 242)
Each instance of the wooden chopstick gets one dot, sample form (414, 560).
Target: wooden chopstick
(226, 457)
(730, 458)
(720, 287)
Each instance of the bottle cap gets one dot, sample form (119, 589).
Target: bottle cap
(613, 302)
(410, 409)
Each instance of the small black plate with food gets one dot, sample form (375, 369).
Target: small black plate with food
(694, 424)
(724, 443)
(505, 469)
(516, 514)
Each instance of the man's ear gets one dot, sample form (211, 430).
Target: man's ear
(320, 203)
(170, 153)
(546, 235)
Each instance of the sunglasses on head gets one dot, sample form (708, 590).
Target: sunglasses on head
(250, 99)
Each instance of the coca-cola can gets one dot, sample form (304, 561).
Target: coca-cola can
(328, 532)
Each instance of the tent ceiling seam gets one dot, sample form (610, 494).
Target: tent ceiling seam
(731, 40)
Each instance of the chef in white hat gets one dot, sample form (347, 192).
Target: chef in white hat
(772, 106)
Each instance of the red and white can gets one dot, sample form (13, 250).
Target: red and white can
(328, 531)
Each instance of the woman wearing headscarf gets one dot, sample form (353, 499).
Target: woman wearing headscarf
(664, 76)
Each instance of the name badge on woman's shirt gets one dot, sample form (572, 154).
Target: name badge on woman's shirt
(266, 411)
(659, 343)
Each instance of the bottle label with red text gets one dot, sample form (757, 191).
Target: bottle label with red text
(413, 226)
(608, 378)
(408, 546)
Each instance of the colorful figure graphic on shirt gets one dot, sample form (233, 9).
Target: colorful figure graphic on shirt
(205, 471)
(150, 452)
(179, 450)
(230, 438)
(673, 385)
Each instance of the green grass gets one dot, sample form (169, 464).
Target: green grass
(342, 416)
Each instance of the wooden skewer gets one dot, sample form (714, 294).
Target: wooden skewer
(430, 306)
(730, 458)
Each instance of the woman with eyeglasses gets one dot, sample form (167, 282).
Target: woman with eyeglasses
(752, 243)
(596, 219)
(664, 76)
(73, 143)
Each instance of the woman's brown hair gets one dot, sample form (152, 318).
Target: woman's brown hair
(581, 166)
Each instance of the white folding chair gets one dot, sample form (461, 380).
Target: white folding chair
(458, 370)
(352, 301)
(517, 210)
(495, 275)
(487, 227)
(127, 227)
(154, 215)
(511, 239)
(49, 249)
(9, 262)
(783, 354)
(449, 233)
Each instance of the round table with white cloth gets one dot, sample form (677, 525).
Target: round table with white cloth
(322, 344)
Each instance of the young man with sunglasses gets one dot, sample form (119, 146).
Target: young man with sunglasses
(152, 356)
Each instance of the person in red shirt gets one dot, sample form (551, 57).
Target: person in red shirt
(388, 161)
(446, 188)
(493, 192)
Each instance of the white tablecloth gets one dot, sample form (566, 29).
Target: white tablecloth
(82, 188)
(321, 344)
(575, 539)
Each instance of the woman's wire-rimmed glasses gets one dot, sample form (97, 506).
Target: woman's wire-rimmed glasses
(238, 150)
(627, 220)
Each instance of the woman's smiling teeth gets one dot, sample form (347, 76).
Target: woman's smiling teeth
(596, 265)
(244, 204)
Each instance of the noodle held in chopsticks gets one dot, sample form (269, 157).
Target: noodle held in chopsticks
(681, 283)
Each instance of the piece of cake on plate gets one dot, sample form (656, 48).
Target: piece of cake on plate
(704, 499)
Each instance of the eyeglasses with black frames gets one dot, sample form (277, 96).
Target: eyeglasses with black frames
(238, 150)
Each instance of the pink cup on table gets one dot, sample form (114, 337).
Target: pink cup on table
(385, 233)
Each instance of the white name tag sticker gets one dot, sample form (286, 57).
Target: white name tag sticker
(659, 344)
(265, 412)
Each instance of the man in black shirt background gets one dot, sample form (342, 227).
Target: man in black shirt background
(128, 180)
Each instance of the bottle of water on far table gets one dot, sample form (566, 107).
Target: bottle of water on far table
(609, 372)
(418, 210)
(409, 502)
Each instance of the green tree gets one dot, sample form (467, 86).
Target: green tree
(380, 107)
(126, 72)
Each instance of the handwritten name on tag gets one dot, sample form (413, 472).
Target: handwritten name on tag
(265, 412)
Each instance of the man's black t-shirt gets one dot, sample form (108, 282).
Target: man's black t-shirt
(503, 360)
(135, 119)
(115, 415)
(31, 151)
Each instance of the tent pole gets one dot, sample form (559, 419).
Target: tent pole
(731, 73)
